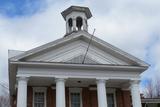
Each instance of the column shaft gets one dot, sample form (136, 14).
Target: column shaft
(60, 93)
(101, 91)
(85, 26)
(67, 28)
(136, 100)
(22, 92)
(74, 24)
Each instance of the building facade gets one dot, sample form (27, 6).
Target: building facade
(77, 70)
(150, 102)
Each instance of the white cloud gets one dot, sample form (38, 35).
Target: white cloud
(156, 57)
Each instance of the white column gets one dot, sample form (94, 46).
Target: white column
(101, 91)
(67, 28)
(60, 92)
(85, 26)
(22, 92)
(135, 93)
(74, 24)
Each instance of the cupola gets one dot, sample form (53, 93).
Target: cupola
(76, 18)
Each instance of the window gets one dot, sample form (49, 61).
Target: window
(70, 23)
(110, 99)
(79, 23)
(75, 97)
(39, 97)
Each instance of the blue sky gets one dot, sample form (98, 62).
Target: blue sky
(130, 25)
(18, 8)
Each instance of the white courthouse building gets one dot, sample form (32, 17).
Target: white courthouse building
(62, 74)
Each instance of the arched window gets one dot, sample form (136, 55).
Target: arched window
(70, 24)
(79, 23)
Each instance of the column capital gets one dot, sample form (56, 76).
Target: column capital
(60, 79)
(100, 81)
(22, 78)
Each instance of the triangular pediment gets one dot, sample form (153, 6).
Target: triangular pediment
(72, 49)
(82, 59)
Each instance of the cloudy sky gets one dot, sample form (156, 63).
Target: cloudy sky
(131, 25)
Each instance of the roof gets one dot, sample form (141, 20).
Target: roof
(85, 35)
(77, 8)
(150, 100)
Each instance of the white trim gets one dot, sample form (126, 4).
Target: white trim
(77, 73)
(75, 90)
(40, 89)
(85, 35)
(88, 66)
(80, 76)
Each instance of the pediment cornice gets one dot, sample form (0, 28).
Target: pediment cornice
(85, 37)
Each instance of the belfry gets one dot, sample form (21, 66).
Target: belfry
(76, 18)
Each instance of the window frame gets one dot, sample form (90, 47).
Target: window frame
(75, 90)
(112, 91)
(39, 89)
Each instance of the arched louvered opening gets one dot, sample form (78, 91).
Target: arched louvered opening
(70, 24)
(79, 23)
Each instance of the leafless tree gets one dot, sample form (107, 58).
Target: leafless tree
(148, 90)
(4, 96)
(157, 87)
(152, 88)
(4, 101)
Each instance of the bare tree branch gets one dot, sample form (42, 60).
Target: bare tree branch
(152, 88)
(4, 97)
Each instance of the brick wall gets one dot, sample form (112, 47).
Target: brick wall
(86, 97)
(67, 96)
(123, 98)
(93, 98)
(119, 98)
(51, 100)
(89, 98)
(127, 98)
(29, 96)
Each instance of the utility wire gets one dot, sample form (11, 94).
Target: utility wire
(3, 85)
(88, 47)
(4, 82)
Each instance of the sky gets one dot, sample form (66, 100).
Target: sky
(131, 25)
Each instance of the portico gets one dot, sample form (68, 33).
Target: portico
(60, 93)
(77, 76)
